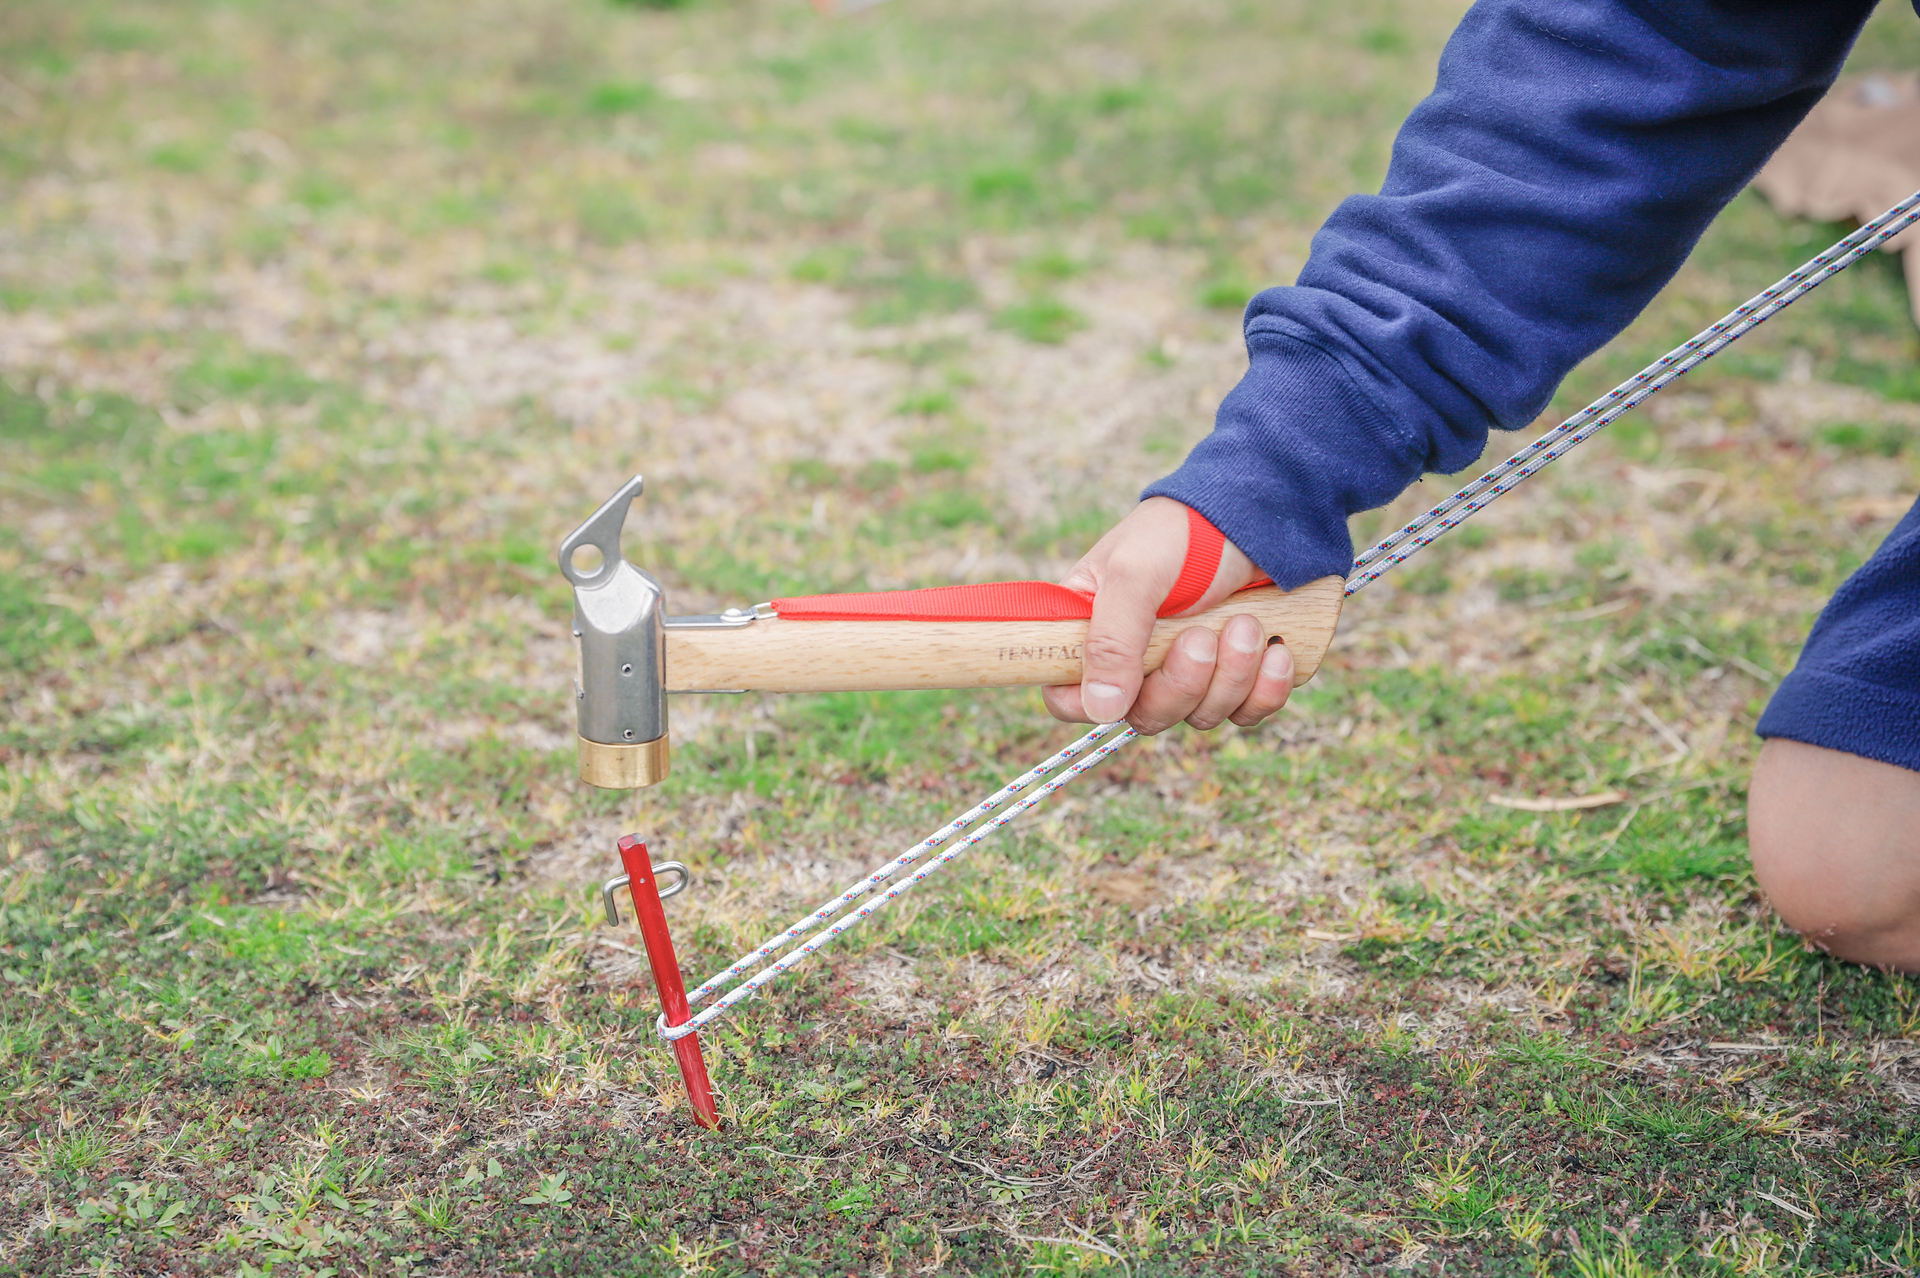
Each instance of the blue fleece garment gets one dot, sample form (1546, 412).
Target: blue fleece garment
(1569, 158)
(1857, 685)
(1571, 154)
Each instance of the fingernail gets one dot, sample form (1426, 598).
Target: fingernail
(1199, 645)
(1243, 635)
(1103, 702)
(1277, 663)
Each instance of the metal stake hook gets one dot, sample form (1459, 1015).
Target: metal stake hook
(682, 877)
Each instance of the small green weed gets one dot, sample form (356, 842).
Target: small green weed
(1619, 1259)
(946, 508)
(1460, 1200)
(131, 1207)
(877, 476)
(926, 404)
(178, 157)
(270, 1058)
(1226, 294)
(931, 458)
(812, 473)
(260, 376)
(900, 298)
(609, 215)
(1385, 39)
(1674, 1122)
(832, 265)
(1052, 267)
(1046, 320)
(1887, 439)
(31, 628)
(551, 1192)
(1113, 99)
(1012, 185)
(439, 1213)
(618, 97)
(79, 1150)
(1549, 1050)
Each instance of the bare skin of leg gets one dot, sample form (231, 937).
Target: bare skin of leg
(1836, 847)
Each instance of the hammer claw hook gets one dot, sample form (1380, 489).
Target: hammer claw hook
(602, 532)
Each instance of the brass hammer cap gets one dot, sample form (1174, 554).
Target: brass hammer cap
(623, 767)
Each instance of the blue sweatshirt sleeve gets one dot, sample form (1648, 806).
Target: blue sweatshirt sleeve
(1571, 154)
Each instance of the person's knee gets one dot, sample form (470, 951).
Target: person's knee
(1835, 840)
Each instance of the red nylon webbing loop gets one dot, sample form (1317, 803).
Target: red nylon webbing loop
(993, 601)
(1013, 600)
(666, 976)
(1205, 545)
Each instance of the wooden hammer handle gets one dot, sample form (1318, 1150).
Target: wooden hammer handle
(860, 656)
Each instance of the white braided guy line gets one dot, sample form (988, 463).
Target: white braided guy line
(746, 990)
(774, 944)
(1476, 496)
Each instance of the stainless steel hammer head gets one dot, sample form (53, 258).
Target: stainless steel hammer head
(619, 685)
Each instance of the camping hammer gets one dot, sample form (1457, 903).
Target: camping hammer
(631, 655)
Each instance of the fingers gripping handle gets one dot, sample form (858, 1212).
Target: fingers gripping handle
(643, 885)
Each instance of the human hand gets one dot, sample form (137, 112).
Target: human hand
(1204, 679)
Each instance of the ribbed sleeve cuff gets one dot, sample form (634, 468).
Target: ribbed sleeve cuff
(1818, 707)
(1296, 448)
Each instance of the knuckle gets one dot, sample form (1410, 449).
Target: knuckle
(1108, 651)
(1189, 692)
(1256, 708)
(1150, 714)
(1186, 674)
(1264, 706)
(1064, 704)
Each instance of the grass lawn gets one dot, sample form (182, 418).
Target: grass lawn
(321, 324)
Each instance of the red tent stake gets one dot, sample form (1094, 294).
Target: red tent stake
(666, 976)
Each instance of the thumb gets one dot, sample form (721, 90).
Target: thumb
(1130, 572)
(1123, 616)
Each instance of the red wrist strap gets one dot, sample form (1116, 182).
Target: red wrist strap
(994, 601)
(1013, 600)
(1205, 545)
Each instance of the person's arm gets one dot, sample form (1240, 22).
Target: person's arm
(1570, 156)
